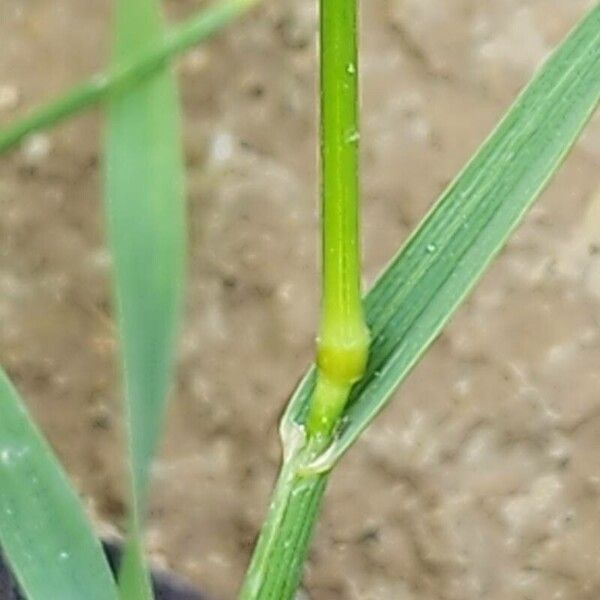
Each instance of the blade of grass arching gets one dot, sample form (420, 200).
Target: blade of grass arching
(44, 532)
(146, 223)
(424, 284)
(128, 73)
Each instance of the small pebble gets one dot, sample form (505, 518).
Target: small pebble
(222, 147)
(195, 61)
(9, 97)
(36, 148)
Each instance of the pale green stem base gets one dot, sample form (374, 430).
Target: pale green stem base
(276, 567)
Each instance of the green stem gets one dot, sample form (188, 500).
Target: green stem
(343, 340)
(276, 567)
(98, 87)
(134, 578)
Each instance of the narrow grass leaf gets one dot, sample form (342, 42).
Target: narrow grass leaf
(127, 73)
(44, 532)
(146, 223)
(438, 266)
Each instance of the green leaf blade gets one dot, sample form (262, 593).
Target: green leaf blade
(146, 222)
(44, 532)
(97, 88)
(443, 260)
(146, 226)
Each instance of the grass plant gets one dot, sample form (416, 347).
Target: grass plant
(365, 349)
(424, 284)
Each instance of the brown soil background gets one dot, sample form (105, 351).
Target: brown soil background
(482, 479)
